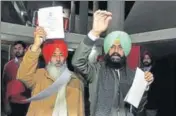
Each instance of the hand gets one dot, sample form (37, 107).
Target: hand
(39, 36)
(149, 77)
(101, 21)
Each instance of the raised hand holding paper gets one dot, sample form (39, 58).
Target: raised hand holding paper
(51, 19)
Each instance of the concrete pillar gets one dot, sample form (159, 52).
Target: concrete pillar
(83, 17)
(54, 3)
(9, 52)
(95, 6)
(118, 13)
(72, 17)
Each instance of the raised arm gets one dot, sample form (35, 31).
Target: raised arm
(80, 58)
(29, 63)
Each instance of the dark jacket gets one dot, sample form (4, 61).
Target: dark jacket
(152, 99)
(93, 72)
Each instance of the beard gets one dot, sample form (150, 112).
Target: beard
(55, 71)
(146, 64)
(115, 60)
(19, 55)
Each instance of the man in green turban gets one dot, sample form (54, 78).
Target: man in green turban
(110, 80)
(117, 46)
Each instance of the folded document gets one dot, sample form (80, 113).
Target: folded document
(51, 18)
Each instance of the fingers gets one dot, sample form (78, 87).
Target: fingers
(109, 13)
(96, 12)
(102, 14)
(39, 31)
(148, 76)
(108, 19)
(101, 21)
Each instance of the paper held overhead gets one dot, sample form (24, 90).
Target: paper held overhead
(137, 89)
(51, 19)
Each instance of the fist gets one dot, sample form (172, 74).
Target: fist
(101, 21)
(149, 77)
(39, 36)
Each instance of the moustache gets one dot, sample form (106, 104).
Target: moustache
(116, 54)
(115, 60)
(146, 62)
(58, 64)
(17, 52)
(115, 57)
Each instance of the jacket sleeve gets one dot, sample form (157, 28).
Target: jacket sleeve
(5, 76)
(28, 68)
(80, 59)
(138, 111)
(4, 84)
(5, 80)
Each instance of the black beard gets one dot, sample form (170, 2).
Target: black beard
(146, 64)
(113, 62)
(18, 55)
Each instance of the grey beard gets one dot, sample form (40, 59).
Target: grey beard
(54, 71)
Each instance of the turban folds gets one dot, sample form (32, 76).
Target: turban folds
(146, 53)
(122, 37)
(50, 46)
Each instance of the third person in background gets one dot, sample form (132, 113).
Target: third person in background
(148, 65)
(12, 102)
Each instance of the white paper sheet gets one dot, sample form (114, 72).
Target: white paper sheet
(51, 19)
(137, 89)
(57, 85)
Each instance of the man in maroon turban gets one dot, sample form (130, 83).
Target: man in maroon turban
(55, 90)
(151, 107)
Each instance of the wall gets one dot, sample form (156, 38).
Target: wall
(151, 15)
(77, 24)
